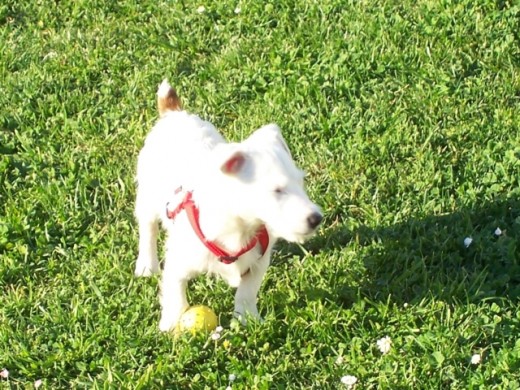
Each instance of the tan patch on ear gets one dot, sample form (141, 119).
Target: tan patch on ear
(168, 102)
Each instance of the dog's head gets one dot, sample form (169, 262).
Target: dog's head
(265, 186)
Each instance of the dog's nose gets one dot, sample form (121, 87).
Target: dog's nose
(314, 220)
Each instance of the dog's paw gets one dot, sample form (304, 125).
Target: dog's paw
(146, 268)
(146, 271)
(170, 316)
(244, 318)
(168, 323)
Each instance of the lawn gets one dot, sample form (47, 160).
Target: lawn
(404, 114)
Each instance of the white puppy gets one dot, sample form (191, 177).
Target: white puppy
(223, 205)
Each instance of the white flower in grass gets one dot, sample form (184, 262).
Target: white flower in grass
(237, 10)
(50, 55)
(4, 373)
(498, 232)
(229, 388)
(232, 377)
(215, 336)
(475, 359)
(37, 383)
(201, 9)
(219, 329)
(468, 241)
(349, 381)
(384, 344)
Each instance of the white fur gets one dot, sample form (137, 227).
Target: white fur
(185, 151)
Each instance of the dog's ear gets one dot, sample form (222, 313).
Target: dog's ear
(234, 163)
(271, 133)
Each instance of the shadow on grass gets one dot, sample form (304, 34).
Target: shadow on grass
(422, 258)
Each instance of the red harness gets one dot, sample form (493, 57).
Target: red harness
(223, 256)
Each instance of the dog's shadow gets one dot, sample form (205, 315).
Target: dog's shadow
(424, 257)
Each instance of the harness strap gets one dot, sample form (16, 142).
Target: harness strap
(192, 212)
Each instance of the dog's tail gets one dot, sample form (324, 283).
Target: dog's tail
(167, 99)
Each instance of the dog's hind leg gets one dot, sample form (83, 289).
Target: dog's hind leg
(148, 221)
(147, 262)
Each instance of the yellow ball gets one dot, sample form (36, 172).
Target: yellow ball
(197, 318)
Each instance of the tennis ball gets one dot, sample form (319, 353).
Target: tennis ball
(196, 319)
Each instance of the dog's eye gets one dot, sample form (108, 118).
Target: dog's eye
(279, 191)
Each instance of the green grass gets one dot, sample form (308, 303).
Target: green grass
(406, 116)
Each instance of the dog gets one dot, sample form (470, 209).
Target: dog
(223, 206)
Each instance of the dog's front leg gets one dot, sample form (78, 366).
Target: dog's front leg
(173, 299)
(247, 291)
